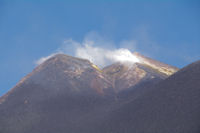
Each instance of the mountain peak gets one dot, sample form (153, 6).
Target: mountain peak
(66, 59)
(69, 94)
(125, 75)
(159, 66)
(63, 73)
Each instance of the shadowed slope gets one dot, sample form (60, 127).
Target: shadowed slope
(172, 106)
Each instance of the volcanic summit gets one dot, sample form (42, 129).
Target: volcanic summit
(69, 94)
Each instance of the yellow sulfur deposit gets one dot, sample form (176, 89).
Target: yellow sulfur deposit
(96, 67)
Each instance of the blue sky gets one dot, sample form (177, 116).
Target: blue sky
(168, 31)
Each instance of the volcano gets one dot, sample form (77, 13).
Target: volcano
(69, 94)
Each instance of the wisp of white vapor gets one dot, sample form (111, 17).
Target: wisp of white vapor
(103, 57)
(96, 50)
(43, 59)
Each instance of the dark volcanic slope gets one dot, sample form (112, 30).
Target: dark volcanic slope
(57, 96)
(173, 106)
(72, 95)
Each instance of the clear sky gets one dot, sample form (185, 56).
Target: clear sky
(166, 30)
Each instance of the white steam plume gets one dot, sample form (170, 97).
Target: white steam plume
(97, 50)
(103, 57)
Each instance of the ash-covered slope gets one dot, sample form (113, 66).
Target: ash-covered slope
(159, 66)
(57, 96)
(68, 94)
(147, 71)
(172, 106)
(63, 71)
